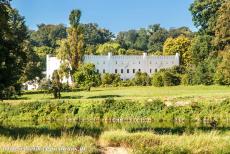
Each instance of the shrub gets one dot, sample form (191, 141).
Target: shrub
(110, 79)
(170, 79)
(44, 84)
(141, 79)
(157, 80)
(185, 79)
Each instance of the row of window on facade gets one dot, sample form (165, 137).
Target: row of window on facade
(140, 62)
(127, 71)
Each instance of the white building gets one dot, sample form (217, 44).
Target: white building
(125, 65)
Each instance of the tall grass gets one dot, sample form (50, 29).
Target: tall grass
(147, 142)
(82, 144)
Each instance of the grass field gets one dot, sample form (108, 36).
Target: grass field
(204, 93)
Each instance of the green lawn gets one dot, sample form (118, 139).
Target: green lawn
(204, 93)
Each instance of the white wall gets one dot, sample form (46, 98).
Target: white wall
(110, 63)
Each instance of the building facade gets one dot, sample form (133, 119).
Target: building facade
(125, 65)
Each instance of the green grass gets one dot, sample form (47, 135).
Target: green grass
(204, 93)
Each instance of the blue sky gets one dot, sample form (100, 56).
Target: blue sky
(115, 15)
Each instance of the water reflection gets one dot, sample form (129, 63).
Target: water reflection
(94, 129)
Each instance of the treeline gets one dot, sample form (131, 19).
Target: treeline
(204, 54)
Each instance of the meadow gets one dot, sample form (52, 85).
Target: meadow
(139, 119)
(200, 92)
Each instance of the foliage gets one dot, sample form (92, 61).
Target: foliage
(48, 35)
(56, 84)
(204, 14)
(222, 75)
(157, 79)
(200, 48)
(157, 37)
(86, 76)
(94, 35)
(103, 49)
(179, 45)
(221, 28)
(166, 77)
(141, 79)
(110, 79)
(71, 49)
(13, 46)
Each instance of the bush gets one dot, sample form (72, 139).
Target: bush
(110, 79)
(157, 80)
(185, 79)
(170, 79)
(141, 79)
(165, 77)
(44, 84)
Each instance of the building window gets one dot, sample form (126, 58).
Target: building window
(150, 70)
(115, 70)
(121, 70)
(127, 70)
(134, 70)
(103, 70)
(139, 70)
(155, 70)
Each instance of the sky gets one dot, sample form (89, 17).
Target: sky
(115, 15)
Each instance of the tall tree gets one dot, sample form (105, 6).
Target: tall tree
(71, 49)
(157, 37)
(222, 26)
(204, 14)
(13, 35)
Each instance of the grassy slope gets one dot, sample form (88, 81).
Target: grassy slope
(210, 93)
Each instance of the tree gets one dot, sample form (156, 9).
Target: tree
(175, 32)
(222, 75)
(204, 14)
(93, 35)
(157, 37)
(221, 28)
(141, 42)
(200, 48)
(47, 35)
(34, 66)
(179, 45)
(71, 49)
(13, 35)
(56, 85)
(103, 49)
(86, 76)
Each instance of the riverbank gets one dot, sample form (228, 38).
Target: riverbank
(116, 110)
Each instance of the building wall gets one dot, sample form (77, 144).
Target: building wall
(125, 65)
